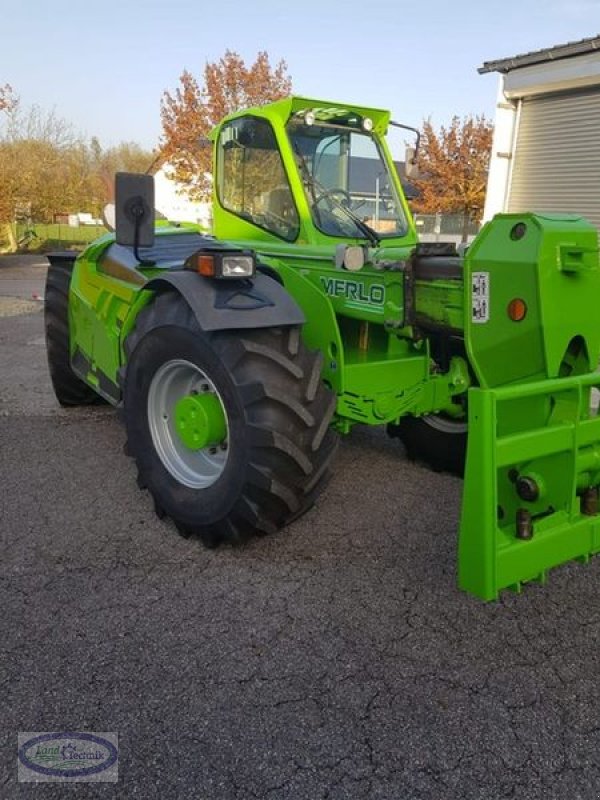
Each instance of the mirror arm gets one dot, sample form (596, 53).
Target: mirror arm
(412, 130)
(135, 210)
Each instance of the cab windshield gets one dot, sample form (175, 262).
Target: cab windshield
(346, 182)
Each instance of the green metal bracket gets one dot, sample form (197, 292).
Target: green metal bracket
(531, 482)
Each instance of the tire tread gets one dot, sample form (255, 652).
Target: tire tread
(69, 389)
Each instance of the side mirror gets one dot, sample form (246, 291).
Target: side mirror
(411, 168)
(134, 210)
(108, 216)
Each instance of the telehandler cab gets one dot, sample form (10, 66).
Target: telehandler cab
(240, 359)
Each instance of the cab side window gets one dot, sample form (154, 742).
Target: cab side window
(252, 182)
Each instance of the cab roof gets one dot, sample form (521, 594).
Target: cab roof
(324, 110)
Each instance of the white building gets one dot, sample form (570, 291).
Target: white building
(172, 201)
(546, 148)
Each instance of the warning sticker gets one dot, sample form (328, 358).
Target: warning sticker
(481, 296)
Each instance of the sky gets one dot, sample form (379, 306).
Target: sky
(103, 66)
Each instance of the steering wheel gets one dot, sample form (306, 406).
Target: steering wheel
(330, 194)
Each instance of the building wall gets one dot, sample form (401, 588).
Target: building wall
(574, 75)
(505, 128)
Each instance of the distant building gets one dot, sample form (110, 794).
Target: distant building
(172, 201)
(546, 148)
(82, 218)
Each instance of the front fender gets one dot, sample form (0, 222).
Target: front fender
(230, 305)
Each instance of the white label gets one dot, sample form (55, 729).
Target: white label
(481, 297)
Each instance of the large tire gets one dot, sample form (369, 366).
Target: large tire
(436, 440)
(274, 458)
(69, 389)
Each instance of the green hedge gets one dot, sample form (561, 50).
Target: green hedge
(38, 237)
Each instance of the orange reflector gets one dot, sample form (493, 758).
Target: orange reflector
(517, 309)
(205, 265)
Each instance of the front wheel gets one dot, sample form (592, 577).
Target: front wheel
(440, 441)
(230, 430)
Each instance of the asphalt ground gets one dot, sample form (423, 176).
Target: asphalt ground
(334, 660)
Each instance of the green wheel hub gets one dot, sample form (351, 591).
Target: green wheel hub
(200, 421)
(188, 423)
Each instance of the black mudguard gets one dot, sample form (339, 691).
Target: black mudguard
(67, 257)
(260, 302)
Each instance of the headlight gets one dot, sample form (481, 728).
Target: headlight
(237, 267)
(350, 257)
(354, 258)
(222, 264)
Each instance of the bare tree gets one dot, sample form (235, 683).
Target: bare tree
(46, 167)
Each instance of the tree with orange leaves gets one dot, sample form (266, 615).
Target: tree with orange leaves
(454, 164)
(189, 114)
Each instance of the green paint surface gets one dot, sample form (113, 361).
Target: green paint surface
(200, 421)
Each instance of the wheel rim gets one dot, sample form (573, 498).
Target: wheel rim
(445, 424)
(188, 424)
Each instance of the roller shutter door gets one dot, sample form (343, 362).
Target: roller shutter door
(557, 158)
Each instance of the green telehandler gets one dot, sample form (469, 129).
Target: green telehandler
(240, 359)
